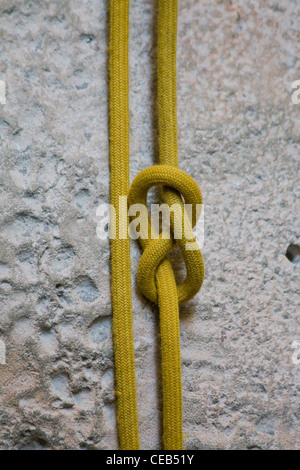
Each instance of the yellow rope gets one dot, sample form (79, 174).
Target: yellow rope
(156, 281)
(120, 249)
(155, 273)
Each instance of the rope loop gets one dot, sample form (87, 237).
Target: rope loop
(156, 247)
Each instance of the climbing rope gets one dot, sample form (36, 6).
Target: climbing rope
(120, 250)
(155, 274)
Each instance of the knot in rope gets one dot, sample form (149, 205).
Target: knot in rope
(155, 273)
(176, 185)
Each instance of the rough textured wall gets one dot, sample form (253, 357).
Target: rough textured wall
(239, 139)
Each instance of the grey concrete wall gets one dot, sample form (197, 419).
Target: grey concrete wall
(238, 137)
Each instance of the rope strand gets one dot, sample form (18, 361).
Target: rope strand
(155, 274)
(120, 248)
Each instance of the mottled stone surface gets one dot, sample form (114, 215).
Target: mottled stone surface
(238, 137)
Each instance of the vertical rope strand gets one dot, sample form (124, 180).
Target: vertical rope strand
(167, 102)
(166, 285)
(127, 417)
(170, 355)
